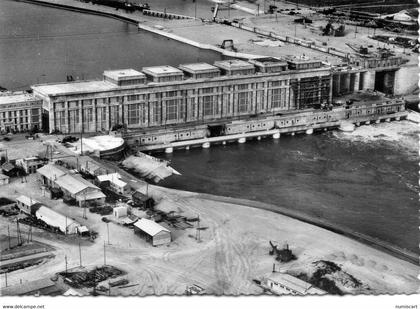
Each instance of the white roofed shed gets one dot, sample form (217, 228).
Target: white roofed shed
(152, 232)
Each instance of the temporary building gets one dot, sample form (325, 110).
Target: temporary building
(80, 189)
(50, 173)
(92, 168)
(120, 212)
(282, 283)
(57, 220)
(30, 165)
(4, 179)
(9, 169)
(114, 182)
(152, 232)
(142, 200)
(27, 205)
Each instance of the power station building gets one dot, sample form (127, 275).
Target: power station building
(193, 93)
(164, 104)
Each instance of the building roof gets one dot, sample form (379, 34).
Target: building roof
(234, 64)
(268, 61)
(52, 171)
(36, 158)
(74, 183)
(56, 219)
(303, 59)
(162, 70)
(83, 229)
(9, 98)
(27, 200)
(124, 74)
(140, 196)
(150, 227)
(27, 288)
(74, 87)
(92, 166)
(7, 167)
(90, 196)
(295, 284)
(199, 67)
(113, 177)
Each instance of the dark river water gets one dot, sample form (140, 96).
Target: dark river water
(40, 44)
(370, 187)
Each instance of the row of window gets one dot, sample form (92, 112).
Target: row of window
(20, 113)
(141, 97)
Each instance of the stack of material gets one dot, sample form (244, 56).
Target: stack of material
(149, 167)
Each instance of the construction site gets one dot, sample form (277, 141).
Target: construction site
(94, 222)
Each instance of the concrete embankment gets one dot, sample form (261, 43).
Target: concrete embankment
(178, 38)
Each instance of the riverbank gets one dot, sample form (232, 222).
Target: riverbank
(232, 251)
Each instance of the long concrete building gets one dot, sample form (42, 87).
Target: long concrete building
(166, 95)
(165, 104)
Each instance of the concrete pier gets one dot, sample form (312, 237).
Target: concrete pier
(206, 145)
(292, 134)
(388, 119)
(169, 150)
(276, 135)
(309, 131)
(367, 122)
(242, 140)
(378, 121)
(259, 138)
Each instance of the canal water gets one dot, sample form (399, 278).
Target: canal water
(367, 183)
(40, 44)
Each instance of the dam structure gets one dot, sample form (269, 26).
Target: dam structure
(164, 107)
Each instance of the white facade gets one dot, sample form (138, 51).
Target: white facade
(120, 212)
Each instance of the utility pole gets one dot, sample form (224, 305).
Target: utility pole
(8, 234)
(104, 254)
(198, 229)
(30, 233)
(81, 140)
(5, 277)
(80, 255)
(19, 236)
(65, 261)
(107, 228)
(195, 9)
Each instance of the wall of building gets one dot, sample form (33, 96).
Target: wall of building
(188, 101)
(21, 116)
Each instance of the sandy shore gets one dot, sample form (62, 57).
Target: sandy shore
(233, 249)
